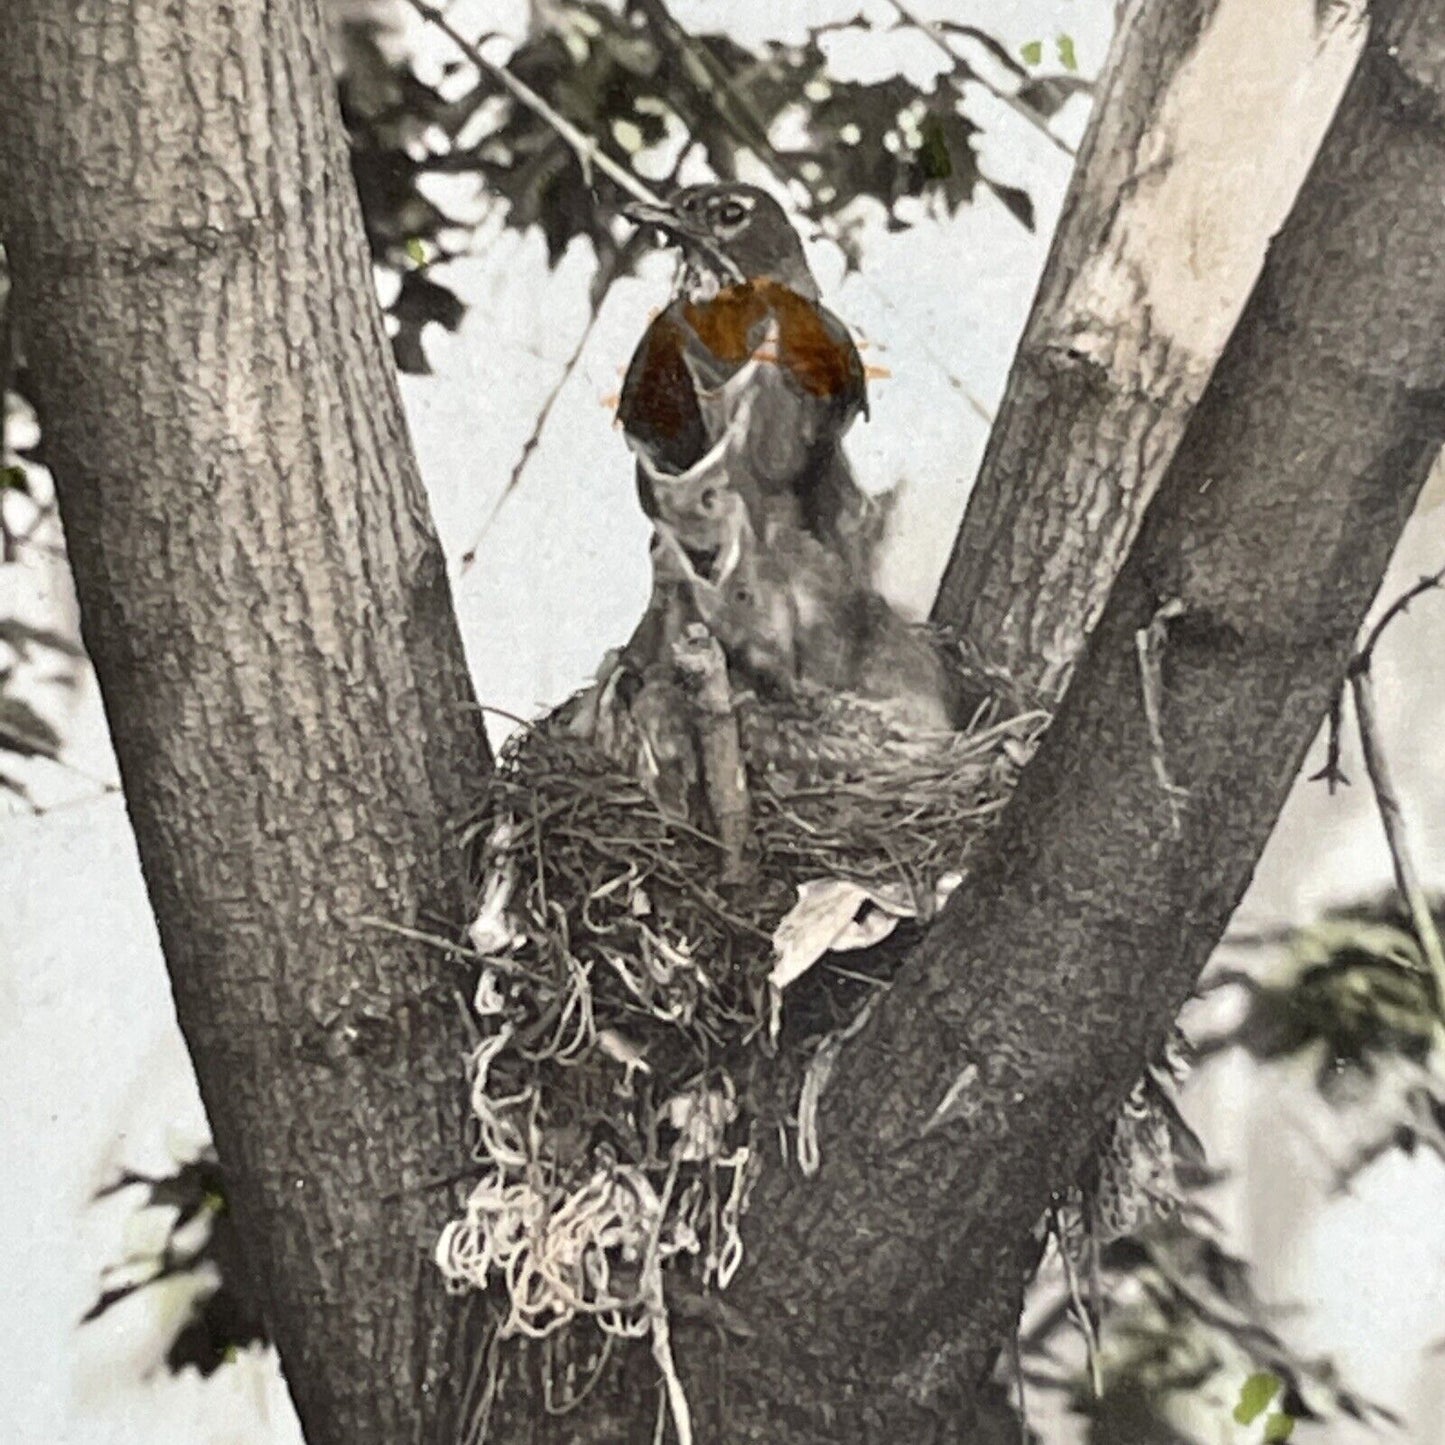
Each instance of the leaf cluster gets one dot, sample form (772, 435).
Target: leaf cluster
(1355, 996)
(201, 1244)
(636, 83)
(1186, 1320)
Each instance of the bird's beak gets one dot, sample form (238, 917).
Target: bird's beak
(683, 234)
(641, 213)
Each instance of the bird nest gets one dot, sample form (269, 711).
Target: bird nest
(650, 1020)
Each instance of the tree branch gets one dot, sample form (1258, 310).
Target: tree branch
(1387, 798)
(267, 609)
(1123, 330)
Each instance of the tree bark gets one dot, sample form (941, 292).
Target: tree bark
(268, 613)
(1208, 114)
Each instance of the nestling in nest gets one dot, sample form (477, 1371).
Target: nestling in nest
(638, 1054)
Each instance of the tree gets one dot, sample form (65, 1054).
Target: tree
(1203, 127)
(1093, 911)
(269, 618)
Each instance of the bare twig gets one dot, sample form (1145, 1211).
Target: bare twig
(1019, 107)
(1407, 875)
(534, 437)
(1021, 1386)
(1431, 582)
(587, 151)
(1402, 854)
(700, 664)
(1332, 775)
(8, 539)
(1080, 1312)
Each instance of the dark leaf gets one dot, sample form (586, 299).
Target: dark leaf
(24, 732)
(1018, 201)
(23, 636)
(1048, 94)
(110, 1298)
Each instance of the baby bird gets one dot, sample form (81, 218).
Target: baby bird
(789, 614)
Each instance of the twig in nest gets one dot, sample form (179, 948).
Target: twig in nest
(703, 671)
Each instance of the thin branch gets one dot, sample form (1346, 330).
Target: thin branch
(1430, 583)
(1332, 775)
(587, 151)
(8, 540)
(1080, 1311)
(1019, 107)
(1402, 854)
(534, 437)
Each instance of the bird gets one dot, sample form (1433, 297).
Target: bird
(745, 373)
(791, 618)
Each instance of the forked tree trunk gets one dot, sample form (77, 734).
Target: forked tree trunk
(289, 707)
(875, 1294)
(269, 617)
(1207, 117)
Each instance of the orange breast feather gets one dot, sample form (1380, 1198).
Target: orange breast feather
(731, 326)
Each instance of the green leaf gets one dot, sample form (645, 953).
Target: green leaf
(1032, 52)
(1254, 1397)
(1067, 56)
(416, 251)
(1278, 1426)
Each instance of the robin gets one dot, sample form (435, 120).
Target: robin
(744, 377)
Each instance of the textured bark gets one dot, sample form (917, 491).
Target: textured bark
(1162, 234)
(268, 613)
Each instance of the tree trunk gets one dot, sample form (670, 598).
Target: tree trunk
(1207, 117)
(269, 617)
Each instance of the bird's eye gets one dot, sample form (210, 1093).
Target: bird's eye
(708, 500)
(742, 596)
(732, 214)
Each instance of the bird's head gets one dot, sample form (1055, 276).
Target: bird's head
(730, 233)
